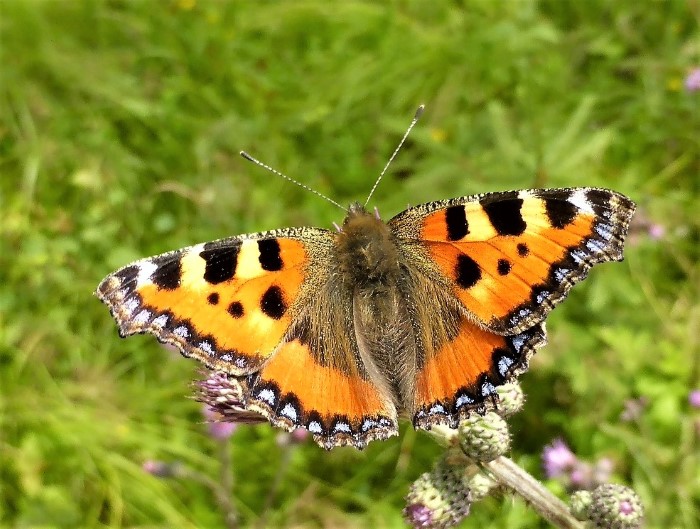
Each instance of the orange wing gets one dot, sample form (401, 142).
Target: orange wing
(463, 374)
(227, 303)
(339, 407)
(510, 257)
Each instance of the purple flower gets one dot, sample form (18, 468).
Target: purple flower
(300, 435)
(297, 436)
(161, 469)
(692, 80)
(222, 394)
(217, 428)
(560, 462)
(634, 408)
(557, 459)
(694, 398)
(418, 515)
(615, 506)
(656, 231)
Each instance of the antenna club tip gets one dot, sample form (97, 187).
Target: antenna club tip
(246, 155)
(419, 112)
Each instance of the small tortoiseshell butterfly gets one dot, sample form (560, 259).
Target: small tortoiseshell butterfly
(341, 332)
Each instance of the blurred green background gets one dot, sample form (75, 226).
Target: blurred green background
(120, 126)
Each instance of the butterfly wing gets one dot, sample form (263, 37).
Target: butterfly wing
(510, 257)
(483, 273)
(263, 309)
(227, 303)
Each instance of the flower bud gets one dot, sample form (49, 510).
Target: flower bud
(484, 438)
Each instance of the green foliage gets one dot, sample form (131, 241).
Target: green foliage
(120, 126)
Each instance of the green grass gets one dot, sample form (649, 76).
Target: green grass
(120, 124)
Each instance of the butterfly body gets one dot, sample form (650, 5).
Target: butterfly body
(342, 332)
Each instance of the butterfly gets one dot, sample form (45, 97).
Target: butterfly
(342, 332)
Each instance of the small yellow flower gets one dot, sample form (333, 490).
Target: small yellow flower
(186, 5)
(674, 84)
(438, 135)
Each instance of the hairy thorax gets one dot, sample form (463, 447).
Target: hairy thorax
(366, 251)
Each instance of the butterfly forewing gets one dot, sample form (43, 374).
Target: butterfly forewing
(510, 257)
(227, 303)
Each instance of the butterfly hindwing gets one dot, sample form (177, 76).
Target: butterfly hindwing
(463, 374)
(510, 257)
(339, 407)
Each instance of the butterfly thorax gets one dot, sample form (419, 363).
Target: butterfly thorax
(366, 250)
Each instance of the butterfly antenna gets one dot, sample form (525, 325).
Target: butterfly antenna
(275, 171)
(416, 117)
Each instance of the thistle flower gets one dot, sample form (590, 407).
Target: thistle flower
(218, 429)
(694, 398)
(161, 469)
(510, 399)
(557, 459)
(222, 394)
(484, 438)
(438, 499)
(561, 463)
(692, 80)
(580, 503)
(615, 507)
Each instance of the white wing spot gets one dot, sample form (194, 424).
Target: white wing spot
(487, 389)
(579, 256)
(604, 230)
(462, 400)
(315, 427)
(142, 317)
(289, 411)
(146, 269)
(342, 427)
(131, 305)
(518, 342)
(437, 408)
(206, 347)
(560, 274)
(160, 321)
(368, 424)
(542, 296)
(181, 332)
(579, 200)
(503, 365)
(267, 395)
(594, 246)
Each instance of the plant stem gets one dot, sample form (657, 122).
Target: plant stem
(551, 508)
(225, 492)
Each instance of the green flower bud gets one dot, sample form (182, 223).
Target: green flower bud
(511, 399)
(484, 438)
(580, 503)
(615, 507)
(438, 499)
